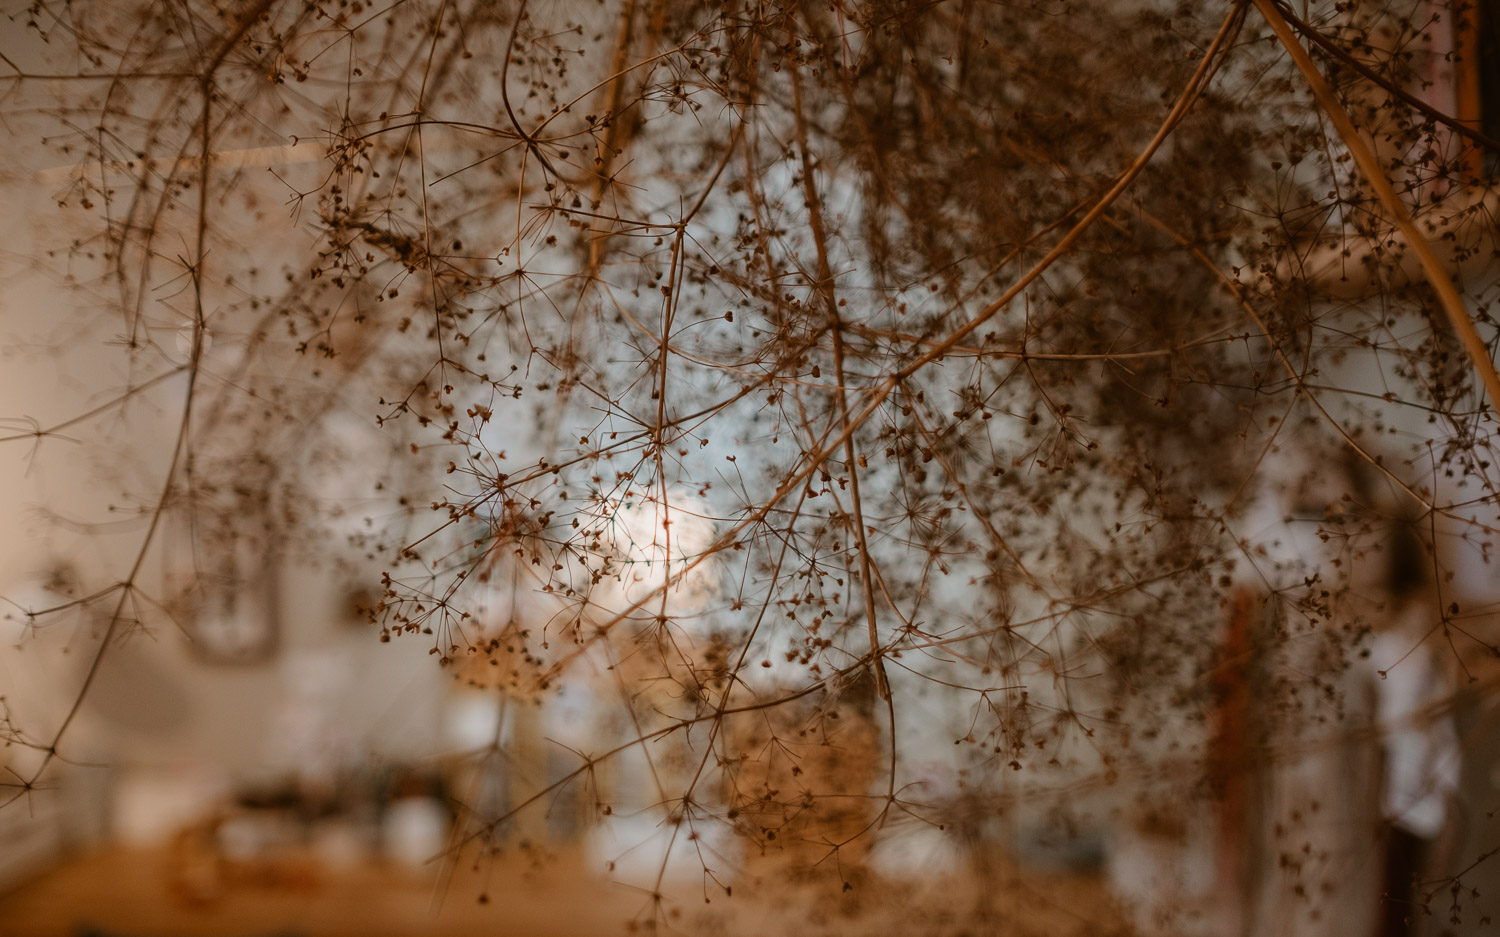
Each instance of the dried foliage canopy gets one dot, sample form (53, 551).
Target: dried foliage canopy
(876, 374)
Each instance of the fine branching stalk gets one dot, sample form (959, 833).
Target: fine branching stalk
(893, 422)
(1480, 356)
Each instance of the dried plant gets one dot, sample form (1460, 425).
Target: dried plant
(836, 384)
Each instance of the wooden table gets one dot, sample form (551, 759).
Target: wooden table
(155, 893)
(118, 892)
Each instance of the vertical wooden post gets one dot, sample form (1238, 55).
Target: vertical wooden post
(1229, 760)
(1465, 20)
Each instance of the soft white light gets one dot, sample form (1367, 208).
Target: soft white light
(649, 542)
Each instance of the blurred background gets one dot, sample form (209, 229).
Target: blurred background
(580, 467)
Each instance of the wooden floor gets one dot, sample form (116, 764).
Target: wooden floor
(163, 893)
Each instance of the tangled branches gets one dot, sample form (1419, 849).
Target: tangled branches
(821, 378)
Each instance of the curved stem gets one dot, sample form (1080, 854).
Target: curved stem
(1369, 167)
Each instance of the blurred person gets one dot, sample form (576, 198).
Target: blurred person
(1419, 745)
